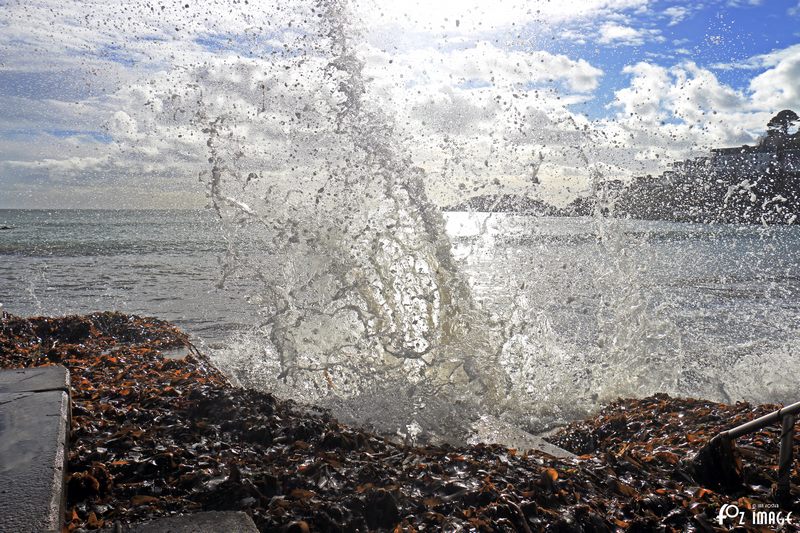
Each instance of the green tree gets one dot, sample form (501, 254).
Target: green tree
(781, 122)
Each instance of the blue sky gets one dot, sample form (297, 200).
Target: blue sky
(97, 99)
(711, 34)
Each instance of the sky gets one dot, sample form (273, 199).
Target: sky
(103, 105)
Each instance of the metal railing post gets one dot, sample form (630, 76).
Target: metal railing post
(785, 457)
(714, 454)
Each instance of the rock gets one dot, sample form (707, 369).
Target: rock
(153, 437)
(381, 509)
(70, 330)
(717, 465)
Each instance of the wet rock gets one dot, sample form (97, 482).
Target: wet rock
(590, 520)
(70, 330)
(717, 465)
(381, 509)
(261, 434)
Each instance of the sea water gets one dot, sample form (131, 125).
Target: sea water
(703, 310)
(325, 271)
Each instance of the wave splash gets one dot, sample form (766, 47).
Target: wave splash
(364, 307)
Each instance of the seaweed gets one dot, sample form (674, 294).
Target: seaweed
(153, 436)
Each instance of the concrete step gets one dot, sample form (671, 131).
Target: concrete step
(34, 428)
(39, 379)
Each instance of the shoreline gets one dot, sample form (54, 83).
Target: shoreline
(156, 436)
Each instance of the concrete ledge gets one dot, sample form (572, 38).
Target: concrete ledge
(34, 428)
(39, 379)
(208, 522)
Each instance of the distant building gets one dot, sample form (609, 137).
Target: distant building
(778, 149)
(745, 184)
(742, 159)
(789, 160)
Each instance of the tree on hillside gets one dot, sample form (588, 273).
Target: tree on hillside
(781, 122)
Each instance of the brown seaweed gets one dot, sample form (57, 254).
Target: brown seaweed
(153, 436)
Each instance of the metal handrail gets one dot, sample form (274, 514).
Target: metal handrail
(787, 416)
(758, 423)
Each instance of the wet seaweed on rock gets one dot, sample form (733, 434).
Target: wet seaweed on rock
(153, 436)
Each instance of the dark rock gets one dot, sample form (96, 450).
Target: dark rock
(261, 434)
(717, 465)
(590, 520)
(154, 437)
(562, 525)
(70, 330)
(381, 509)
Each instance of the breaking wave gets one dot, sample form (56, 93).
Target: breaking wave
(367, 306)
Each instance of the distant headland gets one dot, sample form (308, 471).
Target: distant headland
(758, 184)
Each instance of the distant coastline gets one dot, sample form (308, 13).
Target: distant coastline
(758, 184)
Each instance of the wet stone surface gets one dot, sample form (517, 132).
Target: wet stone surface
(155, 437)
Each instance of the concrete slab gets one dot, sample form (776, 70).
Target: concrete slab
(493, 430)
(39, 379)
(33, 439)
(209, 522)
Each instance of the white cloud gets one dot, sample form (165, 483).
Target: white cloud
(668, 113)
(644, 97)
(483, 63)
(471, 109)
(777, 88)
(471, 16)
(474, 93)
(616, 34)
(762, 61)
(676, 14)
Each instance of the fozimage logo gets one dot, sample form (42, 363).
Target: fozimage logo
(762, 514)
